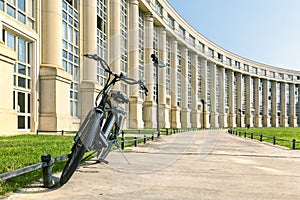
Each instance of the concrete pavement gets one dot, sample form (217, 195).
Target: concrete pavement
(209, 164)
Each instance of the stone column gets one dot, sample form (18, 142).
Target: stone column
(274, 104)
(293, 117)
(204, 111)
(115, 36)
(240, 114)
(175, 110)
(266, 93)
(149, 105)
(298, 111)
(195, 111)
(54, 80)
(213, 96)
(164, 111)
(247, 87)
(222, 85)
(283, 115)
(232, 107)
(136, 103)
(257, 98)
(185, 111)
(89, 87)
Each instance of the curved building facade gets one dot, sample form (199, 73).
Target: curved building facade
(47, 84)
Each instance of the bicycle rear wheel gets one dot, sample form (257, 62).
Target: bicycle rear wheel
(73, 162)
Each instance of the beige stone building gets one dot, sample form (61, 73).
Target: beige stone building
(46, 83)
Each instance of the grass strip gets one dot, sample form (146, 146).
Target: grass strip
(23, 150)
(284, 136)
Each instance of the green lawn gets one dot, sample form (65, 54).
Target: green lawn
(23, 150)
(284, 136)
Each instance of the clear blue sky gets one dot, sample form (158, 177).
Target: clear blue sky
(266, 31)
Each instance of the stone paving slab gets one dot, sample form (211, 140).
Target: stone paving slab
(209, 164)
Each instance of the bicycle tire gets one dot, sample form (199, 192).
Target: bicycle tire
(73, 162)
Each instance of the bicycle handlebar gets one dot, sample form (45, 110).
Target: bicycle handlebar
(120, 76)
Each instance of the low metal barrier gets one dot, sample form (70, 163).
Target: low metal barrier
(261, 137)
(47, 161)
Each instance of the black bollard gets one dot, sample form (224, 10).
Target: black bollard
(47, 170)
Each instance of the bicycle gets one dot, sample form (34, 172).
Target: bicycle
(100, 129)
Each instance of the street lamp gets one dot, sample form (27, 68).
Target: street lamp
(203, 112)
(157, 64)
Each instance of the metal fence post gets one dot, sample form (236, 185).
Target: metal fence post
(274, 140)
(294, 144)
(135, 141)
(261, 138)
(47, 170)
(145, 139)
(122, 143)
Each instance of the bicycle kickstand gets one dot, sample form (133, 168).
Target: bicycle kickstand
(119, 148)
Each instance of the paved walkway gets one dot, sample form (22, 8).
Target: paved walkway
(204, 165)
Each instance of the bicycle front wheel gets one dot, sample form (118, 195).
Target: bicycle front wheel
(88, 131)
(73, 162)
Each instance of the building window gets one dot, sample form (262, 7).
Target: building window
(201, 47)
(298, 78)
(141, 49)
(181, 32)
(101, 39)
(179, 75)
(246, 68)
(1, 5)
(254, 70)
(199, 78)
(21, 10)
(290, 77)
(124, 37)
(272, 74)
(226, 88)
(168, 67)
(220, 57)
(278, 99)
(192, 40)
(171, 21)
(210, 53)
(189, 79)
(281, 75)
(208, 85)
(237, 64)
(252, 93)
(70, 52)
(21, 79)
(155, 51)
(159, 8)
(228, 61)
(263, 72)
